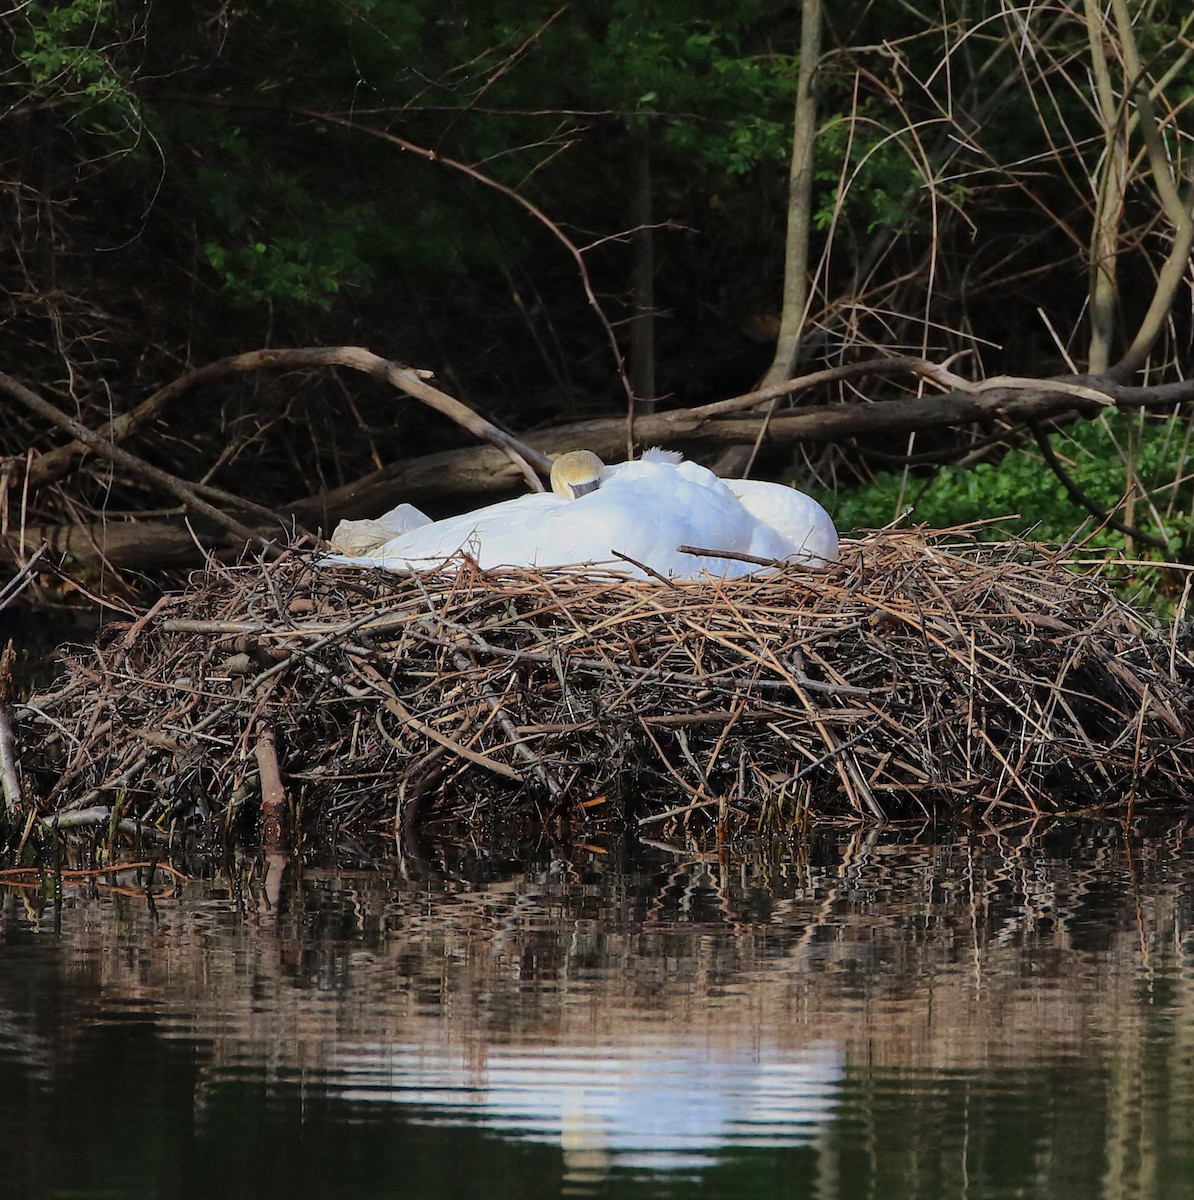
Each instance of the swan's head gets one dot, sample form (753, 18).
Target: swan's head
(576, 474)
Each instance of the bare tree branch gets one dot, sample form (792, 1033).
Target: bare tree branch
(1110, 186)
(1173, 271)
(56, 463)
(138, 467)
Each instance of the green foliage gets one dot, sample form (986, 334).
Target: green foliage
(874, 169)
(1021, 486)
(207, 149)
(66, 51)
(290, 270)
(274, 240)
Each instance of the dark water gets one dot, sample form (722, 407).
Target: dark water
(886, 1016)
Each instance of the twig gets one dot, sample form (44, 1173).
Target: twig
(1079, 496)
(51, 466)
(21, 580)
(99, 815)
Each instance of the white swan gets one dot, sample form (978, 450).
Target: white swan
(644, 510)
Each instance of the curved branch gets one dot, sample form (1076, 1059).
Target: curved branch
(480, 177)
(485, 470)
(537, 213)
(1172, 272)
(56, 463)
(793, 312)
(1111, 184)
(1086, 501)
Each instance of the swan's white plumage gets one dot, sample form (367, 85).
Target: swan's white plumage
(798, 519)
(644, 510)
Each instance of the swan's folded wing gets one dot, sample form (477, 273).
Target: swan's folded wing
(806, 529)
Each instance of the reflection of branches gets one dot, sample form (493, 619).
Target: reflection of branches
(1088, 502)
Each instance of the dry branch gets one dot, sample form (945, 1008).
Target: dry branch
(10, 784)
(1009, 402)
(53, 465)
(188, 493)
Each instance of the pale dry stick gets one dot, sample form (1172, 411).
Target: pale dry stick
(1179, 614)
(686, 750)
(1024, 790)
(99, 815)
(1137, 84)
(794, 307)
(948, 381)
(274, 806)
(22, 579)
(1169, 281)
(10, 779)
(702, 800)
(856, 786)
(1116, 668)
(130, 773)
(651, 674)
(682, 810)
(1111, 185)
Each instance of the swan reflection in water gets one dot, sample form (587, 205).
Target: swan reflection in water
(644, 510)
(665, 1104)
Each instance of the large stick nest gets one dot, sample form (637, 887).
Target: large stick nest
(924, 674)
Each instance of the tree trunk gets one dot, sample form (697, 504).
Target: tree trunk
(800, 187)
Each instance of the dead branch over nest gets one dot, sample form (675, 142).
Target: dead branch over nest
(227, 523)
(923, 674)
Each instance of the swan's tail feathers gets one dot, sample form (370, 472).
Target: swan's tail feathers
(658, 454)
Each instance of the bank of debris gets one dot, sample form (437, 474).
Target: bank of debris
(924, 675)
